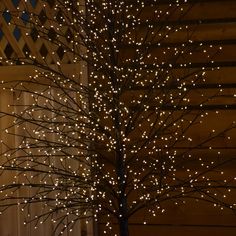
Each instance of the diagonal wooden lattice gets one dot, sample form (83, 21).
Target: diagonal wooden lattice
(18, 39)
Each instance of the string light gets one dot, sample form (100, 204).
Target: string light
(123, 141)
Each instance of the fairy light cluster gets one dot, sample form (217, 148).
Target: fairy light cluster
(124, 141)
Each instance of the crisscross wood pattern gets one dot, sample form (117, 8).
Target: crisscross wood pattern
(19, 39)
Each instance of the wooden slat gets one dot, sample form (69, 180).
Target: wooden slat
(22, 72)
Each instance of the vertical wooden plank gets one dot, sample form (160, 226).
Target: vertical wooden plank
(8, 221)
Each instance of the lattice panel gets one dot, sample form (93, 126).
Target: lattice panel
(19, 39)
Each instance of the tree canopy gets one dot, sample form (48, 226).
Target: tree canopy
(115, 134)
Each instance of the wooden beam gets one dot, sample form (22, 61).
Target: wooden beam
(163, 2)
(23, 72)
(193, 87)
(184, 65)
(222, 42)
(177, 22)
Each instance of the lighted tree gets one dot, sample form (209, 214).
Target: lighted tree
(117, 137)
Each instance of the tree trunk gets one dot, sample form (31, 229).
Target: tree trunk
(123, 226)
